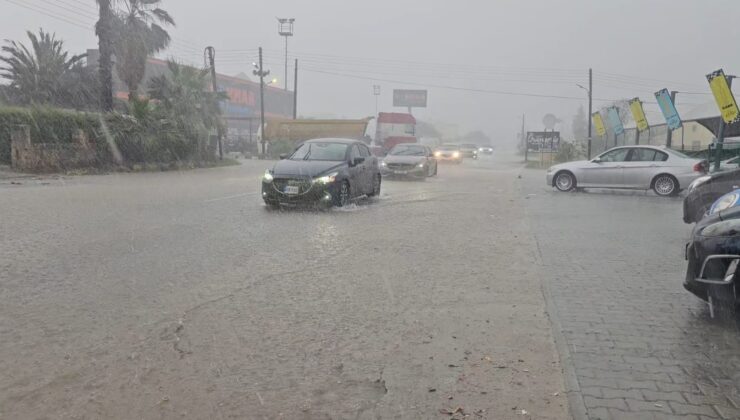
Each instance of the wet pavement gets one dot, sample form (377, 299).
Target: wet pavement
(637, 345)
(178, 295)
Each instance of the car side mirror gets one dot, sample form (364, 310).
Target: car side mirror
(596, 160)
(357, 161)
(283, 156)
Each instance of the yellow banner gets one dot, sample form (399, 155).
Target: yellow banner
(638, 114)
(723, 96)
(598, 123)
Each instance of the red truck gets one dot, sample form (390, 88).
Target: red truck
(395, 128)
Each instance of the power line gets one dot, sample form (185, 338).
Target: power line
(61, 4)
(68, 20)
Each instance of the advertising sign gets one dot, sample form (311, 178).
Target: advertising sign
(598, 123)
(612, 115)
(545, 141)
(638, 114)
(668, 109)
(723, 95)
(410, 98)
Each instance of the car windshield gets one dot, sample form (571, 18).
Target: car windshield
(408, 151)
(388, 209)
(320, 151)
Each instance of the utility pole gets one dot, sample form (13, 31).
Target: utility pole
(524, 139)
(295, 91)
(376, 93)
(285, 29)
(669, 132)
(721, 132)
(211, 52)
(590, 107)
(259, 71)
(104, 31)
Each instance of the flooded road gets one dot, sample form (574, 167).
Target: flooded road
(179, 295)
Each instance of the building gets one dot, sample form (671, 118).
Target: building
(241, 111)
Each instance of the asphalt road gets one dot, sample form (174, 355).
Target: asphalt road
(178, 295)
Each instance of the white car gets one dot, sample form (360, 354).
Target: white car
(661, 169)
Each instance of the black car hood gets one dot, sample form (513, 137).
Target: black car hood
(724, 176)
(304, 168)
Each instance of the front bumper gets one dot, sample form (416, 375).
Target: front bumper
(709, 263)
(549, 178)
(317, 194)
(448, 158)
(415, 172)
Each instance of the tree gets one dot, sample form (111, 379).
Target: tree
(104, 31)
(36, 75)
(580, 125)
(140, 33)
(185, 98)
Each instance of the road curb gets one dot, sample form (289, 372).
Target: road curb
(576, 405)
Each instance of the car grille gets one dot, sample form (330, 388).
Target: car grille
(304, 185)
(401, 166)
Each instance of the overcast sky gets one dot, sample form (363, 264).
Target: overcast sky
(539, 47)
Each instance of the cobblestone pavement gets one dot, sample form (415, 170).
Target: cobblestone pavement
(637, 344)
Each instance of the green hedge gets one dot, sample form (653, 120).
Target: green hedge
(156, 140)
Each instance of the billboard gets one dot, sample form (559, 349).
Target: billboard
(668, 109)
(612, 115)
(638, 114)
(598, 123)
(543, 141)
(410, 98)
(723, 96)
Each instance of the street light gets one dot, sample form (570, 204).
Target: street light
(261, 72)
(376, 92)
(285, 29)
(589, 92)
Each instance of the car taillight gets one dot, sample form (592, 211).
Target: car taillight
(699, 167)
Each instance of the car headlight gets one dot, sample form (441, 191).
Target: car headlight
(383, 164)
(725, 202)
(326, 179)
(421, 165)
(437, 154)
(456, 154)
(550, 169)
(267, 177)
(723, 228)
(698, 181)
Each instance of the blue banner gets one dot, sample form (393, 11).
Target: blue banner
(668, 108)
(612, 115)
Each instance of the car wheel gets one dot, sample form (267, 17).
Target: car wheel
(272, 205)
(665, 185)
(376, 186)
(343, 195)
(565, 181)
(722, 303)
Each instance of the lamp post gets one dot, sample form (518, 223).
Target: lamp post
(589, 92)
(376, 92)
(285, 29)
(261, 72)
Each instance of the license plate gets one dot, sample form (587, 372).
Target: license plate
(399, 172)
(292, 189)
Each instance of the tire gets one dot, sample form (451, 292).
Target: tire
(343, 195)
(665, 185)
(376, 186)
(565, 181)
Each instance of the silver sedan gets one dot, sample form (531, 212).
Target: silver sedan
(661, 169)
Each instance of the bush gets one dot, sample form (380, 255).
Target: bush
(152, 138)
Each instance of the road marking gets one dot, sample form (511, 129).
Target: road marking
(231, 197)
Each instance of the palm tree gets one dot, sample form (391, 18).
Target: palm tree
(141, 33)
(104, 31)
(36, 74)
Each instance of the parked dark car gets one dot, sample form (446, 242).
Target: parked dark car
(705, 190)
(409, 160)
(713, 255)
(322, 171)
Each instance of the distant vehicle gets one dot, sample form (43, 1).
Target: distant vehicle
(705, 190)
(448, 153)
(469, 150)
(322, 171)
(726, 165)
(486, 150)
(661, 169)
(713, 256)
(409, 160)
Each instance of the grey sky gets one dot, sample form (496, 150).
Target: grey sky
(528, 46)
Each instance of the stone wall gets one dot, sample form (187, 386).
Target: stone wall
(50, 157)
